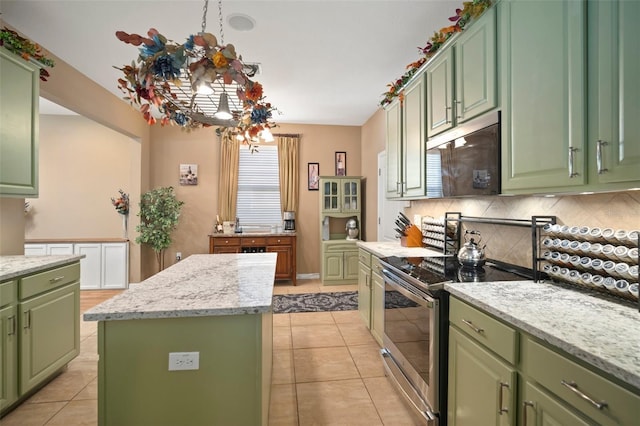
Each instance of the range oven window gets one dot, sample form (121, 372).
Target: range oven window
(406, 325)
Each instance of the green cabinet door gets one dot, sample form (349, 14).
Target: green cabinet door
(364, 293)
(19, 97)
(543, 72)
(614, 96)
(351, 196)
(333, 267)
(394, 150)
(8, 356)
(475, 68)
(330, 195)
(440, 93)
(351, 262)
(481, 386)
(540, 409)
(50, 334)
(413, 134)
(377, 307)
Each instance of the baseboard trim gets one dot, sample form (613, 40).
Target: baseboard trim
(315, 276)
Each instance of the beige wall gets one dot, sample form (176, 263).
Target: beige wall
(172, 146)
(373, 142)
(82, 166)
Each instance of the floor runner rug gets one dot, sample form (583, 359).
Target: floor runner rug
(336, 301)
(315, 302)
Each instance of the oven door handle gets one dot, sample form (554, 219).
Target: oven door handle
(414, 295)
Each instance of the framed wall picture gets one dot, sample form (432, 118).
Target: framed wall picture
(341, 163)
(188, 174)
(313, 172)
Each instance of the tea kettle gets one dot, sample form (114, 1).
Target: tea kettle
(471, 255)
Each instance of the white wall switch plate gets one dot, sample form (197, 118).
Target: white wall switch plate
(184, 361)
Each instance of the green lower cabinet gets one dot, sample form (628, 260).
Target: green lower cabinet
(377, 307)
(364, 293)
(340, 266)
(481, 385)
(538, 408)
(8, 356)
(50, 334)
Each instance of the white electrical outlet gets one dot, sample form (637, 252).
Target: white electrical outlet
(184, 361)
(178, 256)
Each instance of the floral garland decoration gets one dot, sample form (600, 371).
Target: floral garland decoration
(160, 61)
(470, 10)
(121, 203)
(26, 49)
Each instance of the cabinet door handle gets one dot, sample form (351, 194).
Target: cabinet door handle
(27, 320)
(573, 387)
(473, 327)
(446, 114)
(525, 405)
(572, 151)
(56, 279)
(13, 325)
(599, 146)
(457, 105)
(501, 409)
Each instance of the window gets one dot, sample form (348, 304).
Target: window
(258, 200)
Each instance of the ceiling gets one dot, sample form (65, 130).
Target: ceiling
(322, 62)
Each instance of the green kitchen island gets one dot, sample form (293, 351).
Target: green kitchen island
(192, 345)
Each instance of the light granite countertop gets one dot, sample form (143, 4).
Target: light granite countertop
(600, 332)
(393, 248)
(200, 285)
(15, 266)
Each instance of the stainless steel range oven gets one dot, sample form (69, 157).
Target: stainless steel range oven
(416, 321)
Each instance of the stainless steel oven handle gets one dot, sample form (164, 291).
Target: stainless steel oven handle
(416, 295)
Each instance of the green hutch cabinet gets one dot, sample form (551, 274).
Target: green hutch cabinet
(340, 200)
(19, 98)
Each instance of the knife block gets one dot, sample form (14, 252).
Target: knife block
(413, 237)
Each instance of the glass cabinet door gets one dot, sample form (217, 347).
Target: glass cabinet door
(330, 196)
(350, 196)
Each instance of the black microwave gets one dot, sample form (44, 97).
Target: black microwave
(466, 160)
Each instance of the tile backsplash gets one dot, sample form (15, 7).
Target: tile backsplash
(617, 210)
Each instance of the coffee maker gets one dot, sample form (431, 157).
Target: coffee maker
(289, 219)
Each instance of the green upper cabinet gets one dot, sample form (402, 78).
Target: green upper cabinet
(19, 96)
(542, 67)
(614, 92)
(394, 149)
(414, 154)
(340, 195)
(406, 140)
(461, 79)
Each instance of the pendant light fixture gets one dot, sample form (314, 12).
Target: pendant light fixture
(202, 82)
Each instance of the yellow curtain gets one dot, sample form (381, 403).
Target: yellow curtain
(289, 175)
(228, 182)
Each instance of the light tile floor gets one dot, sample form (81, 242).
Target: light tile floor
(326, 371)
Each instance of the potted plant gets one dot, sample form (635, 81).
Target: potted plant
(159, 213)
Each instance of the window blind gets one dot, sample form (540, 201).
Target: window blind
(258, 201)
(434, 175)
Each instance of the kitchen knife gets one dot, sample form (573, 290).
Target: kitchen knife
(401, 232)
(404, 218)
(400, 224)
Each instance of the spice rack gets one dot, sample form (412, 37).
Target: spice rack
(605, 260)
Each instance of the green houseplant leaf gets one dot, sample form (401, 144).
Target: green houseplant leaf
(159, 214)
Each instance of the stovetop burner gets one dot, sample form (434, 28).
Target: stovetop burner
(436, 270)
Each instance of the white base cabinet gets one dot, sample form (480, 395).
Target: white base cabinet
(105, 265)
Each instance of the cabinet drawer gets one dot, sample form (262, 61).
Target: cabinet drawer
(492, 333)
(8, 293)
(279, 241)
(376, 266)
(364, 257)
(228, 241)
(253, 241)
(48, 280)
(340, 247)
(550, 369)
